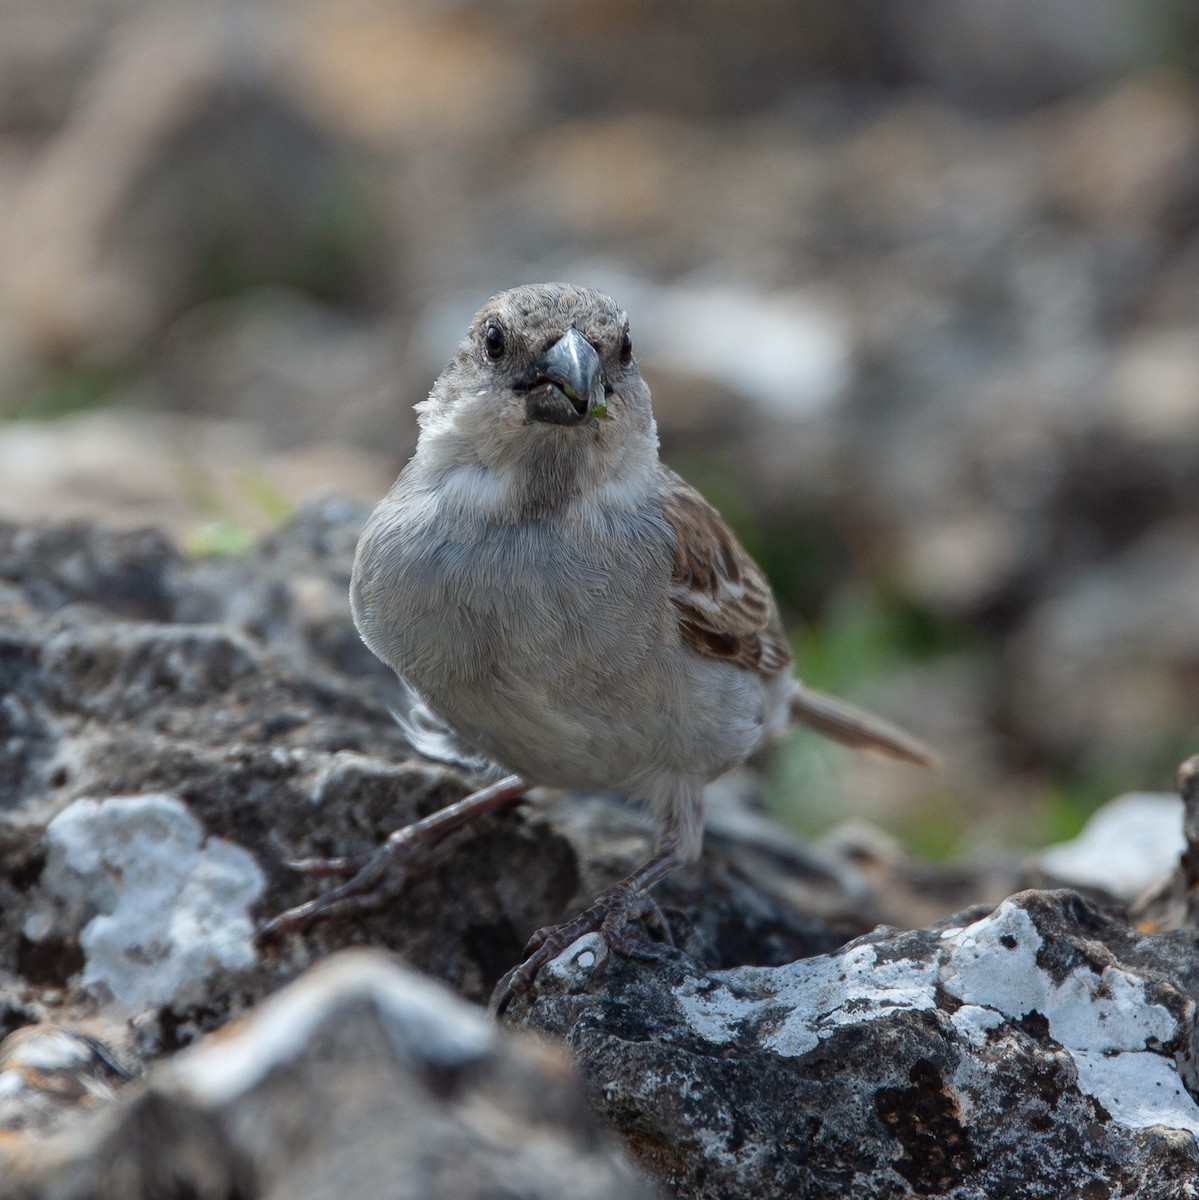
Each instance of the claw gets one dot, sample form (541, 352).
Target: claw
(376, 877)
(349, 865)
(644, 908)
(539, 938)
(365, 891)
(609, 916)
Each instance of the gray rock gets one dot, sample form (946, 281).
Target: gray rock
(1129, 845)
(361, 1080)
(1173, 903)
(213, 485)
(240, 689)
(157, 711)
(1093, 662)
(1041, 1049)
(274, 357)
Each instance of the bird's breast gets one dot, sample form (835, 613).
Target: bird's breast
(446, 599)
(551, 645)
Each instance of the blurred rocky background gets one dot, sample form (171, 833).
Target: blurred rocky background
(916, 288)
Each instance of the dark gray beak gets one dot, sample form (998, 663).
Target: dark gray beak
(566, 382)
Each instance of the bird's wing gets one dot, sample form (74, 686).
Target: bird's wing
(721, 599)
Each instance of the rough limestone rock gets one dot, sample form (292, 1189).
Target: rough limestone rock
(154, 907)
(362, 1079)
(234, 699)
(173, 730)
(1131, 843)
(1041, 1049)
(1173, 903)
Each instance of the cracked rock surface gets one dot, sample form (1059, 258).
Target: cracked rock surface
(172, 730)
(1041, 1049)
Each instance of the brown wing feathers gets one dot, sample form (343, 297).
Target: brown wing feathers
(725, 610)
(721, 599)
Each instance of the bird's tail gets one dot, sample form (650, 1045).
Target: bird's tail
(856, 727)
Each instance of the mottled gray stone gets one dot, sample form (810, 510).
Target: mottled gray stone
(241, 688)
(1041, 1049)
(363, 1079)
(763, 1056)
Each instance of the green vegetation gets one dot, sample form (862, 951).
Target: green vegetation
(862, 637)
(865, 633)
(224, 535)
(220, 539)
(67, 389)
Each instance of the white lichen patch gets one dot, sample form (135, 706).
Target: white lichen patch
(425, 1023)
(812, 997)
(1138, 1088)
(1103, 1019)
(575, 966)
(717, 1013)
(156, 907)
(974, 1022)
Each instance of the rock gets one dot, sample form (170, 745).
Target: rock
(1025, 55)
(272, 358)
(203, 479)
(906, 891)
(1088, 661)
(1130, 844)
(1154, 122)
(47, 51)
(155, 908)
(786, 354)
(386, 73)
(1042, 1041)
(232, 699)
(955, 563)
(132, 575)
(1155, 389)
(713, 62)
(362, 1079)
(1174, 902)
(172, 730)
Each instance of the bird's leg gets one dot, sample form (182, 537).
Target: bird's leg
(378, 875)
(611, 912)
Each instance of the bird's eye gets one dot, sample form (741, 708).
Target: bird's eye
(493, 339)
(626, 347)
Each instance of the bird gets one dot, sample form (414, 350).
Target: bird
(570, 607)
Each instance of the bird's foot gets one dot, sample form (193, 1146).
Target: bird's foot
(374, 878)
(377, 877)
(610, 916)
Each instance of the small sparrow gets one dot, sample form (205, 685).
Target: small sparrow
(569, 606)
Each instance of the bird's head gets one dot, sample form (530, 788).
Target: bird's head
(544, 381)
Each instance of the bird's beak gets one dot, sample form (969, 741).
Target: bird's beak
(566, 383)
